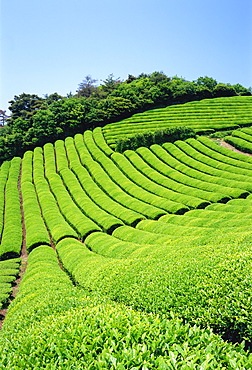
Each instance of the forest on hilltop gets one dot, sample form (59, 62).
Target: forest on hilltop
(35, 120)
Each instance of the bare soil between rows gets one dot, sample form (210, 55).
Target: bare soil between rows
(228, 146)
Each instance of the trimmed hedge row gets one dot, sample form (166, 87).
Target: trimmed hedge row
(154, 137)
(242, 160)
(191, 281)
(74, 330)
(9, 270)
(164, 185)
(4, 171)
(130, 187)
(35, 229)
(171, 206)
(116, 190)
(81, 223)
(207, 114)
(102, 199)
(216, 168)
(226, 164)
(179, 181)
(57, 225)
(239, 144)
(103, 219)
(61, 157)
(12, 234)
(101, 142)
(181, 154)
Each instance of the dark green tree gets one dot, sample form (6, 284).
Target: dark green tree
(87, 87)
(224, 90)
(24, 106)
(207, 82)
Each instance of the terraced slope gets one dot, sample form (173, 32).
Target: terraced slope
(157, 243)
(241, 139)
(206, 115)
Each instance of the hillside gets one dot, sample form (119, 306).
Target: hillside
(204, 116)
(137, 260)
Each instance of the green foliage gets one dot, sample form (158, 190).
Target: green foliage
(156, 137)
(36, 120)
(12, 230)
(72, 329)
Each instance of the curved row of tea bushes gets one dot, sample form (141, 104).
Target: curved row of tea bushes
(165, 186)
(4, 171)
(239, 143)
(241, 139)
(49, 159)
(181, 182)
(82, 224)
(61, 157)
(35, 229)
(101, 142)
(192, 167)
(216, 168)
(34, 236)
(9, 270)
(130, 187)
(164, 202)
(106, 221)
(209, 222)
(228, 166)
(207, 114)
(26, 168)
(69, 329)
(245, 135)
(110, 187)
(103, 200)
(237, 159)
(12, 234)
(38, 165)
(55, 222)
(189, 280)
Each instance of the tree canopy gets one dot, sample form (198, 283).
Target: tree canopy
(36, 120)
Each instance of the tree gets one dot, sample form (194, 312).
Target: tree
(3, 117)
(52, 98)
(24, 106)
(110, 83)
(240, 90)
(224, 90)
(87, 87)
(207, 82)
(158, 77)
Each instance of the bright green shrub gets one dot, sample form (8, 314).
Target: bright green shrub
(164, 183)
(155, 192)
(61, 157)
(102, 218)
(102, 199)
(193, 282)
(239, 143)
(154, 137)
(101, 142)
(82, 224)
(32, 216)
(55, 222)
(74, 330)
(12, 231)
(180, 182)
(27, 167)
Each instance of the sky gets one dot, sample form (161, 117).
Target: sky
(50, 46)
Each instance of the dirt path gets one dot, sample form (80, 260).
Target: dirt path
(228, 146)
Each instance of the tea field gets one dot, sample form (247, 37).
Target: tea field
(136, 260)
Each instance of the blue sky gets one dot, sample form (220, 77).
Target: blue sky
(49, 46)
